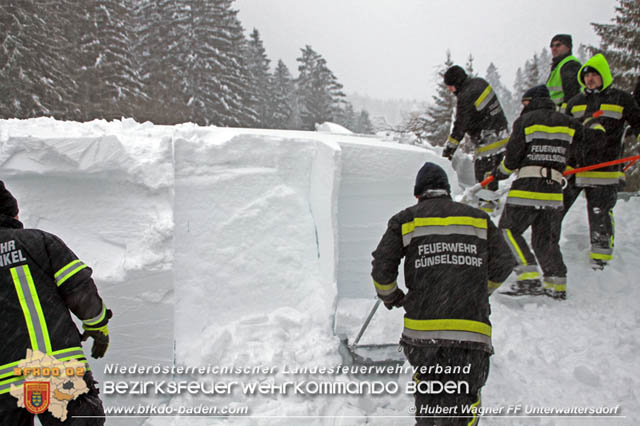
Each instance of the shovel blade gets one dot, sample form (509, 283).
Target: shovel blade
(371, 355)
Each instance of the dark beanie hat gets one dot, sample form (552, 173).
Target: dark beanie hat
(539, 91)
(430, 176)
(564, 39)
(455, 76)
(8, 204)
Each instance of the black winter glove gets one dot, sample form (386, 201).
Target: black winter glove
(448, 152)
(100, 334)
(394, 300)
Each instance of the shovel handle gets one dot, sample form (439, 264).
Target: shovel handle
(487, 181)
(367, 321)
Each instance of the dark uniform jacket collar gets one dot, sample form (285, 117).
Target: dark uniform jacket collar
(460, 87)
(10, 222)
(538, 103)
(555, 61)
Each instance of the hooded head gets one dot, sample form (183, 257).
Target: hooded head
(8, 203)
(540, 91)
(431, 177)
(455, 76)
(598, 64)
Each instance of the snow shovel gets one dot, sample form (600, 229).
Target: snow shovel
(478, 191)
(387, 355)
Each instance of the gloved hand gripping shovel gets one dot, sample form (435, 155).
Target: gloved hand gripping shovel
(373, 354)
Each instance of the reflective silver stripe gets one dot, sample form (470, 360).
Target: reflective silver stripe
(444, 230)
(539, 172)
(27, 301)
(555, 280)
(466, 336)
(7, 370)
(611, 114)
(549, 136)
(68, 271)
(6, 387)
(601, 250)
(97, 318)
(385, 289)
(517, 201)
(490, 96)
(590, 181)
(555, 88)
(525, 269)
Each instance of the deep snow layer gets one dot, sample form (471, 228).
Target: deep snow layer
(237, 246)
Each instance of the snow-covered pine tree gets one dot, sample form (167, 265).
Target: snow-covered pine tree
(504, 95)
(34, 71)
(620, 44)
(283, 97)
(261, 85)
(363, 123)
(163, 29)
(469, 66)
(519, 87)
(347, 117)
(435, 124)
(532, 75)
(109, 83)
(320, 94)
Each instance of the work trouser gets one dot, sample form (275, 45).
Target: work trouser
(600, 203)
(87, 404)
(431, 401)
(545, 239)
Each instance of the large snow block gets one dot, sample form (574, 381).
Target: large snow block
(247, 244)
(114, 211)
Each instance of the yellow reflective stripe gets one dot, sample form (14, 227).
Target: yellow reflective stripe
(67, 266)
(601, 175)
(549, 129)
(453, 141)
(494, 284)
(31, 308)
(598, 127)
(601, 256)
(67, 272)
(528, 276)
(535, 195)
(25, 309)
(482, 97)
(610, 107)
(475, 222)
(98, 318)
(494, 145)
(474, 410)
(578, 108)
(448, 324)
(555, 287)
(515, 246)
(505, 168)
(385, 287)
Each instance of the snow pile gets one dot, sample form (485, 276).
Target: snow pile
(235, 247)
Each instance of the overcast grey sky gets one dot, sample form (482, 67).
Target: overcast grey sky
(391, 48)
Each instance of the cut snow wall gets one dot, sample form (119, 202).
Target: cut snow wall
(214, 241)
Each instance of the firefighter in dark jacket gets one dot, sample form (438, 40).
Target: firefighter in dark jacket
(563, 79)
(541, 145)
(454, 257)
(478, 114)
(601, 104)
(41, 282)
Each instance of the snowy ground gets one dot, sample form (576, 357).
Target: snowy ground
(236, 247)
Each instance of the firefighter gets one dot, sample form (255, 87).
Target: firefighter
(541, 145)
(478, 114)
(454, 257)
(42, 281)
(563, 78)
(600, 103)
